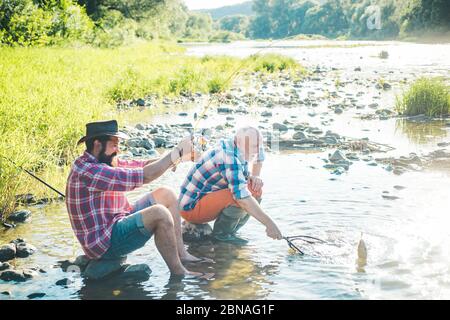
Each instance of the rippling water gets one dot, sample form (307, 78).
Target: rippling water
(407, 239)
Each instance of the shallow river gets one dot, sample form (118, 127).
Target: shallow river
(407, 238)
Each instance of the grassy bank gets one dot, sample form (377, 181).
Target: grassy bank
(425, 96)
(48, 94)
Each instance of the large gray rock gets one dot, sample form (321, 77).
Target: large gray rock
(315, 130)
(20, 216)
(24, 250)
(386, 86)
(334, 166)
(4, 266)
(195, 232)
(134, 151)
(78, 264)
(329, 140)
(27, 198)
(147, 144)
(140, 126)
(152, 153)
(160, 141)
(81, 261)
(443, 144)
(279, 127)
(224, 110)
(339, 171)
(63, 282)
(133, 142)
(299, 135)
(7, 252)
(337, 156)
(137, 272)
(36, 295)
(99, 269)
(299, 127)
(16, 275)
(140, 102)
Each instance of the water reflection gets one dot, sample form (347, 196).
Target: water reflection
(112, 289)
(422, 132)
(238, 273)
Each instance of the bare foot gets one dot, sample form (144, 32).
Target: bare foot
(199, 275)
(188, 258)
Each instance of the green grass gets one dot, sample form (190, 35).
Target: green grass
(270, 63)
(430, 97)
(47, 95)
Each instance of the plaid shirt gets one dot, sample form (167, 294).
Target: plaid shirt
(219, 168)
(95, 199)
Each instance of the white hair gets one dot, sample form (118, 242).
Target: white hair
(243, 131)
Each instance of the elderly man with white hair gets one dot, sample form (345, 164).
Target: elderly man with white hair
(219, 187)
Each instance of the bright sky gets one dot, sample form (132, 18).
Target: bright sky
(208, 4)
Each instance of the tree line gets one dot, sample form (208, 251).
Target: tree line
(367, 19)
(99, 22)
(115, 22)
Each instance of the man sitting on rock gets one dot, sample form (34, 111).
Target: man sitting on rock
(219, 187)
(104, 222)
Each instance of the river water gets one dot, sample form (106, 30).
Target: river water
(407, 239)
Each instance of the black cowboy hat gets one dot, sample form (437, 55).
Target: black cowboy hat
(102, 128)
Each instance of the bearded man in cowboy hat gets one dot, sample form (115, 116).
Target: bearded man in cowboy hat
(105, 223)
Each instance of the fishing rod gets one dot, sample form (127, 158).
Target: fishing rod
(37, 178)
(235, 72)
(207, 106)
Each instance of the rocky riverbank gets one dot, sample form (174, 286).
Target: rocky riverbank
(295, 115)
(314, 104)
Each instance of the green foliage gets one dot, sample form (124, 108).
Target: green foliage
(111, 23)
(198, 26)
(31, 27)
(103, 23)
(426, 96)
(185, 80)
(348, 18)
(273, 63)
(40, 23)
(236, 24)
(216, 85)
(225, 36)
(428, 14)
(328, 20)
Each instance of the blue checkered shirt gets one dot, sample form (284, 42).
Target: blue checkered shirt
(219, 168)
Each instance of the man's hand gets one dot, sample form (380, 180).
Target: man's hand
(251, 206)
(273, 232)
(256, 184)
(186, 150)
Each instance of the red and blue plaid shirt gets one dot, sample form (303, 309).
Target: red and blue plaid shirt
(95, 199)
(219, 168)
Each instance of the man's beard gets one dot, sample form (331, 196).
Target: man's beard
(103, 158)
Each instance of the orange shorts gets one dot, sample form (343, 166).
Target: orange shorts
(209, 206)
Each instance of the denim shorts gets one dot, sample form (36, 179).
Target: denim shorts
(129, 233)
